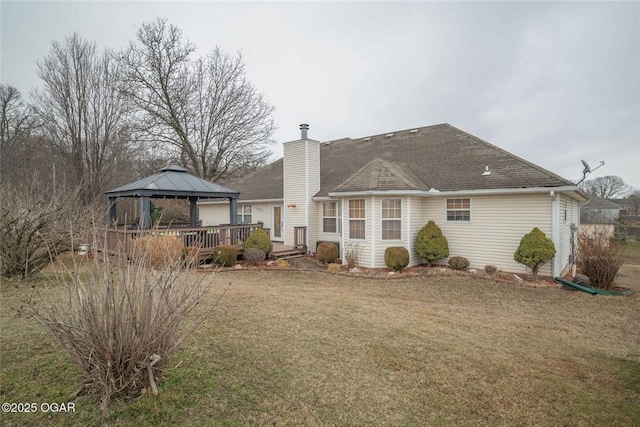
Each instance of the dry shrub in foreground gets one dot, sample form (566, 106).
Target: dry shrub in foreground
(600, 257)
(121, 324)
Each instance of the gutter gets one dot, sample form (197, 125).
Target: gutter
(436, 193)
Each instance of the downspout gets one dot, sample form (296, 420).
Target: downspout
(371, 227)
(555, 232)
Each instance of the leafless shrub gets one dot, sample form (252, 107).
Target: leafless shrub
(122, 323)
(352, 252)
(31, 230)
(600, 257)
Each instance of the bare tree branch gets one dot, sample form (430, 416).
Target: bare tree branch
(85, 115)
(205, 112)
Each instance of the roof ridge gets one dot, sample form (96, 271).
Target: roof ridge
(348, 138)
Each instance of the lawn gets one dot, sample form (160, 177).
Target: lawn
(303, 348)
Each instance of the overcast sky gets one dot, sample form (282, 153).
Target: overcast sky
(550, 82)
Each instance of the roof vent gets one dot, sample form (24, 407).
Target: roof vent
(367, 138)
(413, 131)
(304, 128)
(486, 172)
(389, 135)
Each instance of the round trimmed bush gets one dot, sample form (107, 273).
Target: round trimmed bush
(254, 256)
(327, 252)
(458, 263)
(259, 239)
(534, 250)
(225, 256)
(396, 257)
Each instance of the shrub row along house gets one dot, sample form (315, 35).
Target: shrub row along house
(371, 193)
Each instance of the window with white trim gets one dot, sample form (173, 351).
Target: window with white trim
(458, 209)
(391, 219)
(357, 224)
(330, 217)
(244, 214)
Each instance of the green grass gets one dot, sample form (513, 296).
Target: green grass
(301, 348)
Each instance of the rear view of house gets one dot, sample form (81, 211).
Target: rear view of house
(371, 193)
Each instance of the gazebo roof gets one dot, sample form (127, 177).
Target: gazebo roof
(173, 181)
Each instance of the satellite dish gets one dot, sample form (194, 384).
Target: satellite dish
(587, 168)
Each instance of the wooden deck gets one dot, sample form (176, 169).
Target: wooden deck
(119, 242)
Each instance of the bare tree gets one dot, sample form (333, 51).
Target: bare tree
(17, 124)
(606, 187)
(84, 114)
(205, 112)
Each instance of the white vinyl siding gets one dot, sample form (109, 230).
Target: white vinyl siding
(218, 213)
(569, 213)
(499, 222)
(301, 173)
(364, 247)
(380, 244)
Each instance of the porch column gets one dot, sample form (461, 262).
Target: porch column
(112, 212)
(233, 211)
(145, 213)
(193, 212)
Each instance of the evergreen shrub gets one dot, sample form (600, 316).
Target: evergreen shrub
(431, 243)
(534, 250)
(396, 258)
(327, 252)
(259, 239)
(225, 256)
(459, 263)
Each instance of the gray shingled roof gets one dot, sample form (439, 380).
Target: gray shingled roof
(172, 181)
(441, 157)
(381, 174)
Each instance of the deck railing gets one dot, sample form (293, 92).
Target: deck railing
(300, 237)
(119, 241)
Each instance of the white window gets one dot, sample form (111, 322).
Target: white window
(330, 217)
(244, 214)
(391, 219)
(357, 223)
(458, 209)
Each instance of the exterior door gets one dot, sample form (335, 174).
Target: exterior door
(276, 230)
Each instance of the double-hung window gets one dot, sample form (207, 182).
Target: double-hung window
(330, 217)
(458, 209)
(391, 219)
(357, 224)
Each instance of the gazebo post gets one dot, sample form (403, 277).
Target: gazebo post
(193, 213)
(145, 213)
(233, 211)
(112, 212)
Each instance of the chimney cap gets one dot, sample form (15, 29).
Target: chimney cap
(304, 126)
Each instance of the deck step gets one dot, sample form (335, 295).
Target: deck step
(287, 253)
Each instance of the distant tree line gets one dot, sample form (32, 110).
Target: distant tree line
(101, 118)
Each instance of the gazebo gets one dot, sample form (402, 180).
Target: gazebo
(178, 183)
(173, 182)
